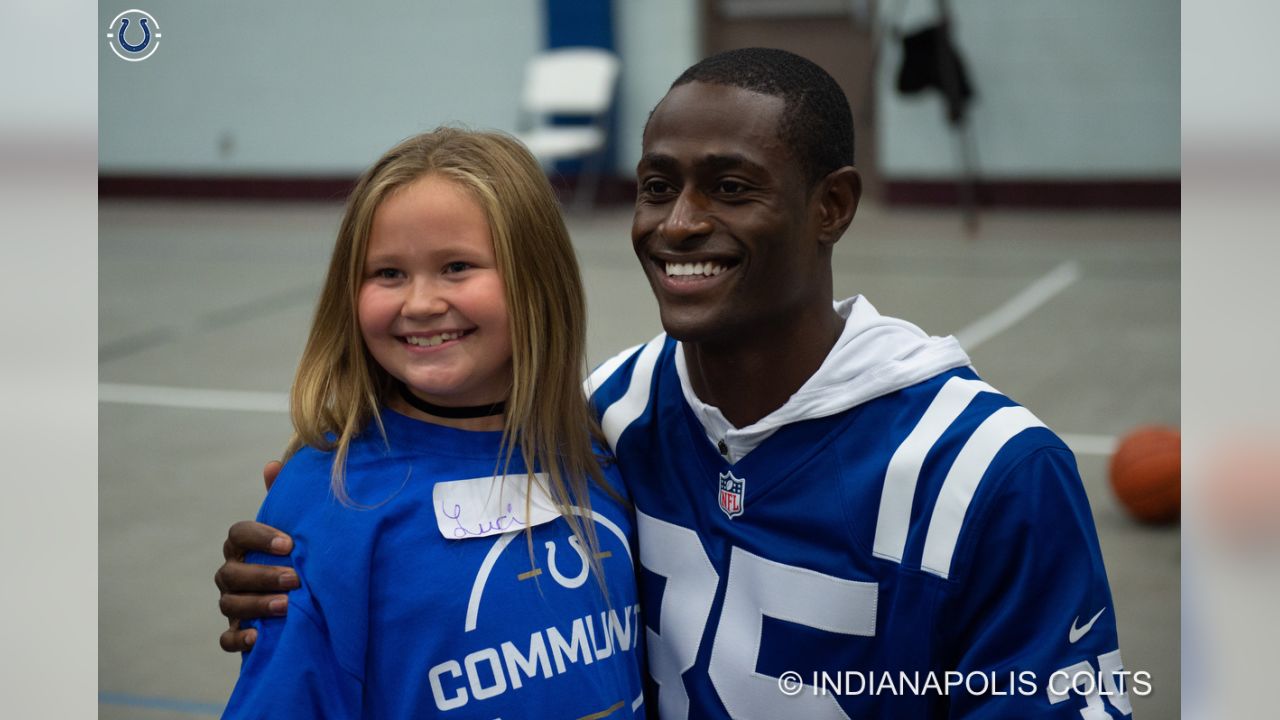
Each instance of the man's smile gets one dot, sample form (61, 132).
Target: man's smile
(686, 275)
(701, 269)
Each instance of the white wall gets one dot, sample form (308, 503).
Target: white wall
(307, 87)
(291, 87)
(657, 40)
(1066, 89)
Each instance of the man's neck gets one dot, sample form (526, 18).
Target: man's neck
(749, 377)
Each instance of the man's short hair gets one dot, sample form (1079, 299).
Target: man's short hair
(816, 122)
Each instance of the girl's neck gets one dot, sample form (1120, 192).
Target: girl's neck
(481, 424)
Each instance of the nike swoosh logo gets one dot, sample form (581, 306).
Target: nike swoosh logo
(1076, 633)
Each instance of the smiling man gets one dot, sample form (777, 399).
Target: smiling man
(837, 518)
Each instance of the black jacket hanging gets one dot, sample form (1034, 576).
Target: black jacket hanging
(930, 60)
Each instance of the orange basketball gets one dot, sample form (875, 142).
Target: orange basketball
(1146, 474)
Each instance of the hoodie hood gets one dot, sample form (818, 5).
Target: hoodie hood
(874, 356)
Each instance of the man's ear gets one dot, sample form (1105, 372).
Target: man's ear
(837, 197)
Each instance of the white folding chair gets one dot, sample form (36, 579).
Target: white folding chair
(577, 81)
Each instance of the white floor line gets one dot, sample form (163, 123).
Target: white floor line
(1019, 306)
(1011, 313)
(198, 399)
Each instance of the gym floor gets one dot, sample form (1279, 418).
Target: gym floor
(204, 308)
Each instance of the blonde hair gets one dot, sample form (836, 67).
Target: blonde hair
(339, 387)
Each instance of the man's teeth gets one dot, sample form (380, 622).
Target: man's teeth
(709, 269)
(433, 340)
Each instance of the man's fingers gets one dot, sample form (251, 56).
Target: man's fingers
(236, 640)
(269, 473)
(237, 577)
(246, 536)
(246, 607)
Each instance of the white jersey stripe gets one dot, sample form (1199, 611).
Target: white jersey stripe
(903, 473)
(962, 482)
(607, 368)
(632, 404)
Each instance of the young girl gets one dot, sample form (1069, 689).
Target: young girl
(439, 577)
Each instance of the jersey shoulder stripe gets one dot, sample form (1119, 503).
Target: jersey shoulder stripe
(963, 430)
(962, 480)
(606, 369)
(907, 462)
(620, 387)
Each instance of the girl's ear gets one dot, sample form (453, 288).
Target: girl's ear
(837, 196)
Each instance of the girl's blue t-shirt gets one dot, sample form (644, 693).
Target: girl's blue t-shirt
(402, 615)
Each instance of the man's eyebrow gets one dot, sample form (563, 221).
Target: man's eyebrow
(731, 161)
(713, 162)
(659, 163)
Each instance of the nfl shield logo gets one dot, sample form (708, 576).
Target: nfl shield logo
(731, 494)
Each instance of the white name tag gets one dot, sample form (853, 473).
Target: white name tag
(484, 506)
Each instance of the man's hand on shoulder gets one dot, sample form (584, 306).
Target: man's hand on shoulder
(253, 591)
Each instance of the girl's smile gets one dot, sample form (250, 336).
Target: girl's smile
(434, 340)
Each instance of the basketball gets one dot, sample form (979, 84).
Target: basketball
(1146, 474)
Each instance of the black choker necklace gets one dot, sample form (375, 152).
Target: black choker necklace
(453, 413)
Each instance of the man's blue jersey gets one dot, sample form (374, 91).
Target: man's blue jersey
(928, 553)
(412, 605)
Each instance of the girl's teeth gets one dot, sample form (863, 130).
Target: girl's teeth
(433, 340)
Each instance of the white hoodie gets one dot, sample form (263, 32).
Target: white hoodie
(874, 356)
